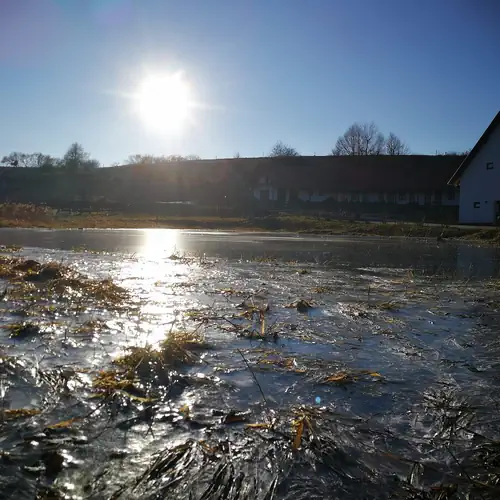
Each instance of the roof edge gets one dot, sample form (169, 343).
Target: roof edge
(455, 178)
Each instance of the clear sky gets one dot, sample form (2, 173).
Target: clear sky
(258, 71)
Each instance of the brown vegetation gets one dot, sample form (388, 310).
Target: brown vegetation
(31, 216)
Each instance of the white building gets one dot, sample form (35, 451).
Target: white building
(479, 179)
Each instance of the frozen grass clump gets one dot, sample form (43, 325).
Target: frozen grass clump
(176, 350)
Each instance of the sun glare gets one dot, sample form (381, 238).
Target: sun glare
(164, 102)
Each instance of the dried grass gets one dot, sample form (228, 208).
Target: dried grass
(31, 278)
(17, 413)
(175, 351)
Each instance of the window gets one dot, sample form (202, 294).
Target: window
(402, 196)
(451, 194)
(489, 166)
(428, 198)
(355, 197)
(391, 198)
(477, 204)
(412, 198)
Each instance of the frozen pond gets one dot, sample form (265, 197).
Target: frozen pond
(327, 368)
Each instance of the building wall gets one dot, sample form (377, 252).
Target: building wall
(265, 193)
(373, 197)
(480, 186)
(451, 196)
(391, 198)
(314, 196)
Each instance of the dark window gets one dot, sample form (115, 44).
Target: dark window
(412, 198)
(489, 166)
(451, 194)
(402, 196)
(428, 198)
(477, 204)
(355, 197)
(391, 198)
(438, 197)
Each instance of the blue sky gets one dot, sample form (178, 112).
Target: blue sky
(262, 70)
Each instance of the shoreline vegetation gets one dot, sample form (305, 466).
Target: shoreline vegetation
(41, 217)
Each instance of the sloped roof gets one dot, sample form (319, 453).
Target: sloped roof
(455, 178)
(408, 173)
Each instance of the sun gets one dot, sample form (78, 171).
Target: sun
(164, 102)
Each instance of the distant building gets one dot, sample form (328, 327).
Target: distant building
(397, 180)
(410, 187)
(478, 177)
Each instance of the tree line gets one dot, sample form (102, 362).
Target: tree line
(152, 159)
(75, 158)
(360, 139)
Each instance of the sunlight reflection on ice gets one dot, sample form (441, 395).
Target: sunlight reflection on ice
(160, 242)
(151, 278)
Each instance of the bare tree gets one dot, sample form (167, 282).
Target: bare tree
(281, 149)
(139, 159)
(173, 158)
(30, 160)
(453, 153)
(76, 158)
(395, 146)
(360, 140)
(14, 159)
(91, 164)
(236, 155)
(47, 162)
